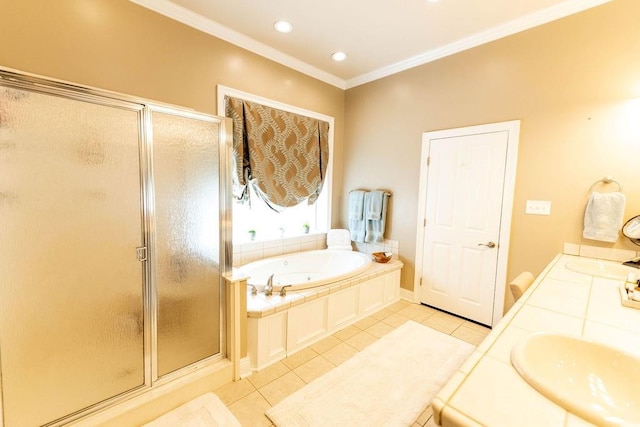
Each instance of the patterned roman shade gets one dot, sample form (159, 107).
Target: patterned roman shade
(283, 156)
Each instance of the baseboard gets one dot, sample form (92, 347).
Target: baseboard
(407, 295)
(245, 367)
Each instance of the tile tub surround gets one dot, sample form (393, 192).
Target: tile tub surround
(487, 390)
(279, 326)
(246, 252)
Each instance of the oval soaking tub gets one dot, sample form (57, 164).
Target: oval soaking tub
(304, 270)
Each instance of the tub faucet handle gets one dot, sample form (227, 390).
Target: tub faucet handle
(283, 290)
(268, 289)
(254, 290)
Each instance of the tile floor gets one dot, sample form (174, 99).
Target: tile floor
(250, 397)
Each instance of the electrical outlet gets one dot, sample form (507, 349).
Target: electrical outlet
(538, 207)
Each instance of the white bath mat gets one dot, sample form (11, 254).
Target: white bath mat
(388, 383)
(204, 411)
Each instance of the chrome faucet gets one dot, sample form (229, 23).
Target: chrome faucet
(268, 289)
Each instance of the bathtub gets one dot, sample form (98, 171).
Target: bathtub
(304, 270)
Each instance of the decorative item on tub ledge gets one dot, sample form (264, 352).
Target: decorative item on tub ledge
(381, 257)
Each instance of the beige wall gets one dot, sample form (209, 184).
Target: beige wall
(117, 45)
(575, 86)
(572, 83)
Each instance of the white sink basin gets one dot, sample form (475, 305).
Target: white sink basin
(594, 381)
(601, 269)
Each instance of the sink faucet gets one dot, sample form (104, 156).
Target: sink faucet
(268, 289)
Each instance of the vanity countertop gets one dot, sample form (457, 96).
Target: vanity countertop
(487, 390)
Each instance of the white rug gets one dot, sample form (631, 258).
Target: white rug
(204, 411)
(388, 383)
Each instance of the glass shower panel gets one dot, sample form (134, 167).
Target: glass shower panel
(187, 253)
(71, 293)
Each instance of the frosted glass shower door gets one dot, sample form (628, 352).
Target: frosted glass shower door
(187, 234)
(71, 288)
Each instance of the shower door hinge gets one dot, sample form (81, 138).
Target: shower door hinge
(421, 281)
(141, 253)
(428, 160)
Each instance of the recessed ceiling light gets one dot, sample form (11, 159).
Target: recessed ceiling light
(339, 56)
(283, 27)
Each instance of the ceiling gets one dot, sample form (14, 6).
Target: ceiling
(381, 37)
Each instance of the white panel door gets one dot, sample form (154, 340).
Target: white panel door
(463, 212)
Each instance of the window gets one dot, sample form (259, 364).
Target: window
(257, 215)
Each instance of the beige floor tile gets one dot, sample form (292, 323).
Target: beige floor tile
(339, 354)
(250, 410)
(398, 305)
(313, 369)
(325, 344)
(379, 315)
(265, 376)
(361, 340)
(431, 423)
(303, 356)
(469, 335)
(365, 323)
(395, 320)
(476, 327)
(450, 317)
(346, 333)
(417, 312)
(425, 415)
(234, 391)
(443, 322)
(281, 387)
(380, 329)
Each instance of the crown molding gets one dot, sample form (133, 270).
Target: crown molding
(199, 22)
(526, 22)
(206, 25)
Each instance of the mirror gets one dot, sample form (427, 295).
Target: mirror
(631, 229)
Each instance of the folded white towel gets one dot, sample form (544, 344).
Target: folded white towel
(373, 205)
(356, 204)
(339, 239)
(603, 216)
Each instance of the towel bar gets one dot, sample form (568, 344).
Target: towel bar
(606, 180)
(386, 192)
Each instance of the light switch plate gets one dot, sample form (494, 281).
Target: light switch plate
(538, 207)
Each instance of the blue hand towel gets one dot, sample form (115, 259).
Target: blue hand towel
(603, 216)
(357, 226)
(356, 204)
(373, 205)
(374, 232)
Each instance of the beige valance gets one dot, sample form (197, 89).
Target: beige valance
(283, 156)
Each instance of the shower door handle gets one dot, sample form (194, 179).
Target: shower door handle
(141, 253)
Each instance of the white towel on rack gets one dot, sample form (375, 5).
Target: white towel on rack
(603, 216)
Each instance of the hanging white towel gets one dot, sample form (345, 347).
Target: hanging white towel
(603, 216)
(375, 227)
(357, 224)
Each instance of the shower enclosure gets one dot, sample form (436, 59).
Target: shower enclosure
(113, 236)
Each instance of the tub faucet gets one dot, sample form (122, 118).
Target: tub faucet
(268, 289)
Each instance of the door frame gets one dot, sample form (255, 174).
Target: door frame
(513, 130)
